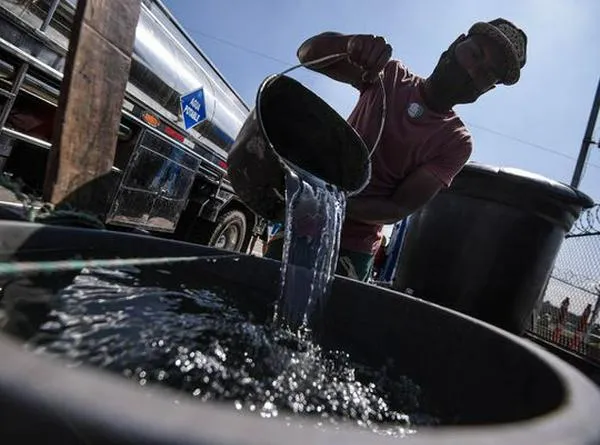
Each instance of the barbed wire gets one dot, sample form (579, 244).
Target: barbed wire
(577, 280)
(588, 223)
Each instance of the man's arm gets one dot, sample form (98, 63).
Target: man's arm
(414, 192)
(366, 56)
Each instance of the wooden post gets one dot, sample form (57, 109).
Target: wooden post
(89, 108)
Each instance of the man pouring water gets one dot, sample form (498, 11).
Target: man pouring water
(424, 143)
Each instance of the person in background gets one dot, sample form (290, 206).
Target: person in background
(424, 142)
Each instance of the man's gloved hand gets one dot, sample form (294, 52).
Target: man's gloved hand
(370, 53)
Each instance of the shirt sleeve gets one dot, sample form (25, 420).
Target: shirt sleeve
(452, 158)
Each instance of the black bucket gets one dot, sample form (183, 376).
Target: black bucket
(484, 384)
(291, 126)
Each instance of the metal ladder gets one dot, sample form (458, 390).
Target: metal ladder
(11, 95)
(21, 72)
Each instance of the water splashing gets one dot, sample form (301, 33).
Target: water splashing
(149, 328)
(314, 215)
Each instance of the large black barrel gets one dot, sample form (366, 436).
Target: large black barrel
(486, 246)
(483, 384)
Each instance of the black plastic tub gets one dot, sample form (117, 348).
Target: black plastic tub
(486, 385)
(486, 246)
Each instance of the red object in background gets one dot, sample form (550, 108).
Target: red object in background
(380, 256)
(562, 316)
(174, 134)
(36, 122)
(577, 340)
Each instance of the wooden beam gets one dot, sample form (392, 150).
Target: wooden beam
(89, 108)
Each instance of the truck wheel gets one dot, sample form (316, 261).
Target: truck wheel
(229, 231)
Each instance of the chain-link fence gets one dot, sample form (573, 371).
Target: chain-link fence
(569, 312)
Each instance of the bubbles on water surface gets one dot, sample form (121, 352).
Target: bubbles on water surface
(201, 343)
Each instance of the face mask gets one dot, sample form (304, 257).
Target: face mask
(450, 83)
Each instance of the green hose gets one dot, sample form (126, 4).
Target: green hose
(19, 268)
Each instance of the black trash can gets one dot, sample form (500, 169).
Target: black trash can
(486, 245)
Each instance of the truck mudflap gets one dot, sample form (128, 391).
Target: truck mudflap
(155, 187)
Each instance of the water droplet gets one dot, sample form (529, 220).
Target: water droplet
(268, 410)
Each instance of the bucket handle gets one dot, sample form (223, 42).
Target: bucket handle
(340, 56)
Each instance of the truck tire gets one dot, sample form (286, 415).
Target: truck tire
(229, 231)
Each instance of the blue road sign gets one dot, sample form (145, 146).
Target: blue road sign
(193, 108)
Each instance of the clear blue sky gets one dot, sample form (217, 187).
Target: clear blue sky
(548, 108)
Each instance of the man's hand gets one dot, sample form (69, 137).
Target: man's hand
(414, 192)
(367, 56)
(369, 53)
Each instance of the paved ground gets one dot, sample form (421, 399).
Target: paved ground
(257, 251)
(7, 196)
(10, 202)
